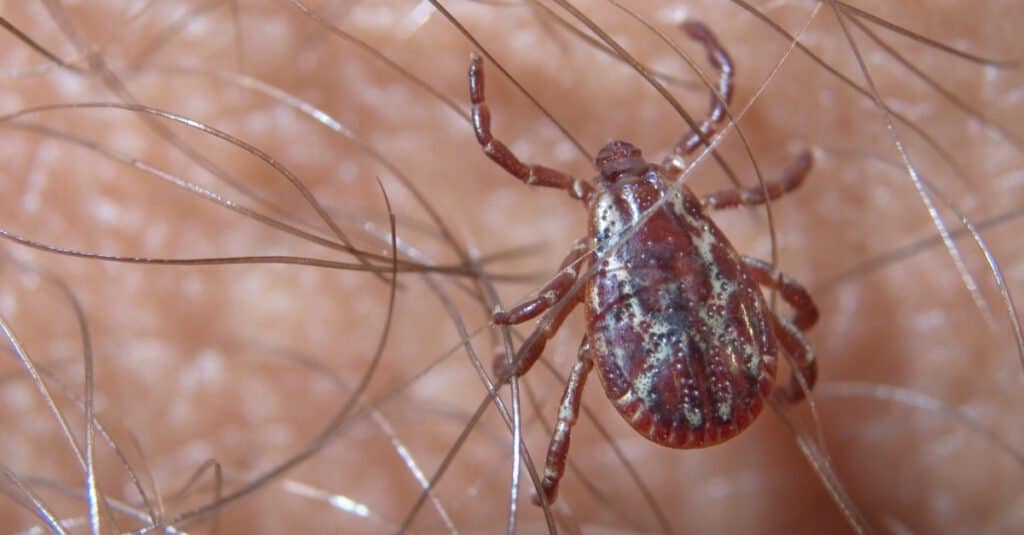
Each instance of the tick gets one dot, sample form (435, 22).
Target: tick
(683, 340)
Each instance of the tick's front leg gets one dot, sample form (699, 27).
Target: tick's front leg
(720, 99)
(568, 413)
(549, 295)
(534, 175)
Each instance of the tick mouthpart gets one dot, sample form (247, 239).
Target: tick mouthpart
(618, 158)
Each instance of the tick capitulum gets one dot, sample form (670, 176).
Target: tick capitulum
(676, 322)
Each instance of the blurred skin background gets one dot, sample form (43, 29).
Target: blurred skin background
(246, 364)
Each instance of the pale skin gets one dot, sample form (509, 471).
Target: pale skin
(159, 328)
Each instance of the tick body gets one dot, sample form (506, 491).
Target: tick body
(678, 329)
(677, 326)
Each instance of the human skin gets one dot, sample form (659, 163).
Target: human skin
(196, 363)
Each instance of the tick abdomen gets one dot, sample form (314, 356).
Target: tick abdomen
(678, 327)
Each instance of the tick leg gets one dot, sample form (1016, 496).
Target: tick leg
(568, 413)
(791, 179)
(534, 344)
(792, 292)
(792, 340)
(534, 175)
(550, 294)
(720, 60)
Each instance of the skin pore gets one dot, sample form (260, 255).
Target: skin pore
(246, 364)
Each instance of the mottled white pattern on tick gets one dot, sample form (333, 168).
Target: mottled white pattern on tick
(676, 324)
(664, 342)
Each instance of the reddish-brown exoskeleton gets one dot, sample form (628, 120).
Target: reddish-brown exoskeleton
(686, 347)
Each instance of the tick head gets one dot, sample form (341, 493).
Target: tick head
(617, 159)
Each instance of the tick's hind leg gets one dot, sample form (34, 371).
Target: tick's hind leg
(551, 294)
(720, 99)
(793, 342)
(805, 312)
(789, 332)
(791, 179)
(534, 175)
(568, 413)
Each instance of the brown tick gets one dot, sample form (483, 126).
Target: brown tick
(675, 320)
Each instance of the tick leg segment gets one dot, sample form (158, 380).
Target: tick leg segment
(550, 294)
(534, 344)
(556, 290)
(791, 179)
(792, 340)
(568, 413)
(720, 60)
(534, 175)
(792, 292)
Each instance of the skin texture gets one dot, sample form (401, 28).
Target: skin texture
(193, 363)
